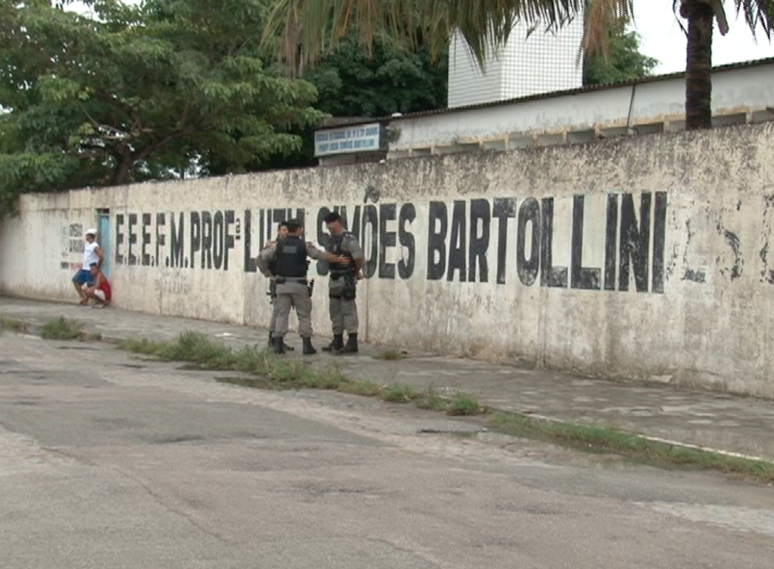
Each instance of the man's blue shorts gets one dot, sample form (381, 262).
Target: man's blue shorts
(84, 277)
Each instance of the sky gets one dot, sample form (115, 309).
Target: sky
(663, 38)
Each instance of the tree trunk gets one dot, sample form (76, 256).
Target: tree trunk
(122, 173)
(698, 69)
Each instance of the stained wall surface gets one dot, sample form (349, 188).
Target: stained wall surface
(645, 258)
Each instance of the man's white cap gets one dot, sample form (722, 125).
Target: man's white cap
(92, 232)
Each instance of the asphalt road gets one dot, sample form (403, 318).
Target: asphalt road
(107, 461)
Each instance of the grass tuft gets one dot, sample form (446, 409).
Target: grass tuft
(62, 329)
(205, 353)
(12, 324)
(398, 393)
(463, 404)
(197, 348)
(431, 399)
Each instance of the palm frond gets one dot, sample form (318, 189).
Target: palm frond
(601, 16)
(757, 14)
(310, 28)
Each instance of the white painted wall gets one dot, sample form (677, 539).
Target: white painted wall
(711, 323)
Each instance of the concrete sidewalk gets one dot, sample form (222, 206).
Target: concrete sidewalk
(717, 421)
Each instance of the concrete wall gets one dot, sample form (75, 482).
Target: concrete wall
(635, 258)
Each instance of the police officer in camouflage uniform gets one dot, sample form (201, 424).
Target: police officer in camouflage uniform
(289, 256)
(342, 288)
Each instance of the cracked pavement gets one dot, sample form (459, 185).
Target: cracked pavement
(107, 460)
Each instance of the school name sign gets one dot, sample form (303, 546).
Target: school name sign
(611, 242)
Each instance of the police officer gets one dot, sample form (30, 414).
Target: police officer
(282, 232)
(342, 288)
(289, 255)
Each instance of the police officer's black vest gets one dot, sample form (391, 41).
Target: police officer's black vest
(291, 258)
(335, 247)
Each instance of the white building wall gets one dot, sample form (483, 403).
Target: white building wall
(542, 62)
(528, 64)
(467, 84)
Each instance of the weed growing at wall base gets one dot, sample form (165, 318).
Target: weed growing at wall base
(62, 329)
(206, 353)
(398, 393)
(464, 404)
(431, 399)
(289, 373)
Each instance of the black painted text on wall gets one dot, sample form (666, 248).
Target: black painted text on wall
(465, 241)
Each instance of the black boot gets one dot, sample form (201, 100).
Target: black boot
(271, 344)
(351, 347)
(279, 345)
(336, 345)
(308, 347)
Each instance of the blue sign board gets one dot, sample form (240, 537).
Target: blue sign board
(348, 139)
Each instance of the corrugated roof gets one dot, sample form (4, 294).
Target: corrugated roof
(554, 94)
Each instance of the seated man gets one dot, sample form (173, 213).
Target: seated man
(92, 253)
(100, 291)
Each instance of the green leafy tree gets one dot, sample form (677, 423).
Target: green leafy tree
(352, 83)
(310, 27)
(139, 92)
(391, 79)
(622, 62)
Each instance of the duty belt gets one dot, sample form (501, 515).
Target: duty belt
(299, 280)
(336, 275)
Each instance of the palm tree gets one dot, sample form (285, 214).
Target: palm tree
(310, 28)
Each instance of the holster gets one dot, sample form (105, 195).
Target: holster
(349, 292)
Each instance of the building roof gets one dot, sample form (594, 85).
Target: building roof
(554, 94)
(333, 122)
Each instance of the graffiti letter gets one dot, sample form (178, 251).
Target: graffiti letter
(479, 243)
(436, 241)
(387, 213)
(528, 267)
(408, 213)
